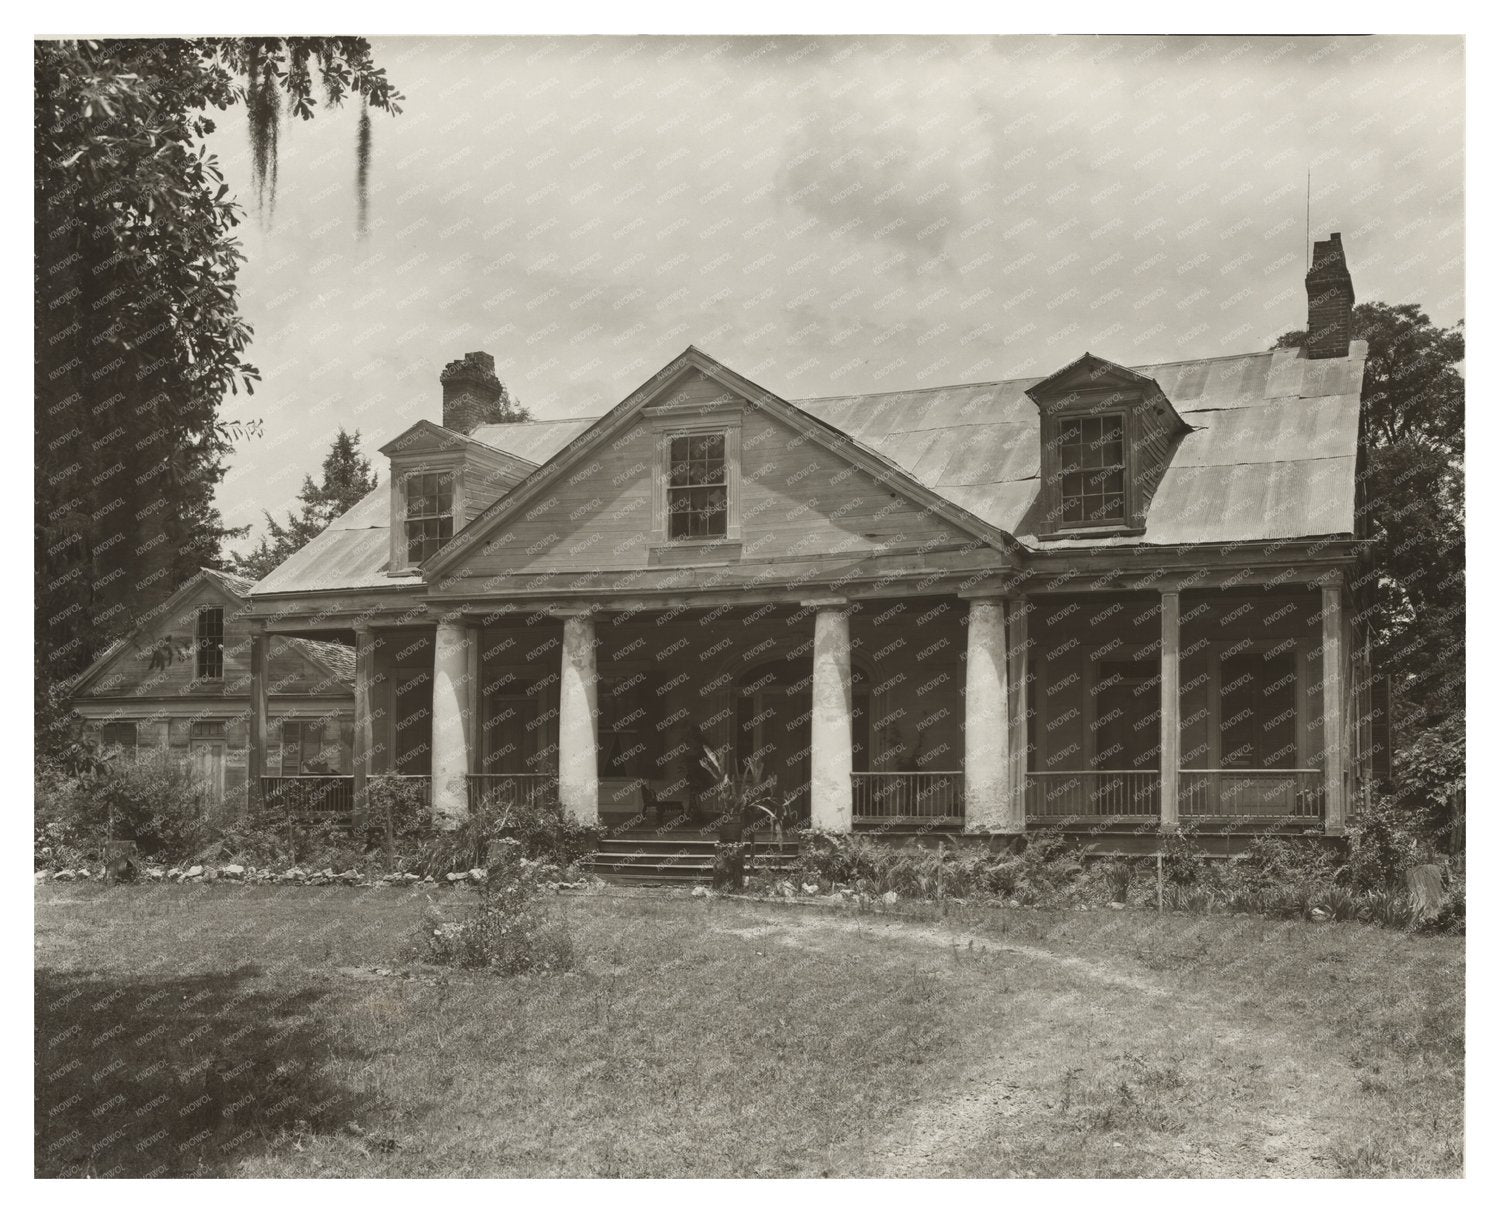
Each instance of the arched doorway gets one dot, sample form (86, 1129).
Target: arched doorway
(773, 723)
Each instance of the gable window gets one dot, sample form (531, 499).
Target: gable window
(697, 487)
(1091, 467)
(429, 514)
(119, 735)
(209, 642)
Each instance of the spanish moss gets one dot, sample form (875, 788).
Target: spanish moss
(265, 127)
(362, 172)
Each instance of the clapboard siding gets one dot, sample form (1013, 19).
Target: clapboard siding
(796, 500)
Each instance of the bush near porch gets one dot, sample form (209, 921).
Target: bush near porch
(1384, 874)
(152, 803)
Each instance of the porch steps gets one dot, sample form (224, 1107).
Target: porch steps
(684, 859)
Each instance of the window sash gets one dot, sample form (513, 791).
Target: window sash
(429, 513)
(1091, 469)
(209, 646)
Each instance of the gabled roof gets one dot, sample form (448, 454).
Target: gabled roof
(890, 474)
(1269, 455)
(231, 585)
(335, 659)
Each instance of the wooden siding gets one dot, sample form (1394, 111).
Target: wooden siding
(797, 500)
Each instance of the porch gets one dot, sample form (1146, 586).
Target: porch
(1094, 713)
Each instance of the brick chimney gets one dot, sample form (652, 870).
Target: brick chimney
(472, 393)
(1330, 300)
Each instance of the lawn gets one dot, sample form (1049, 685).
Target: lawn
(231, 1030)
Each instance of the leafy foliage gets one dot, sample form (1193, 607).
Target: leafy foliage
(152, 800)
(513, 929)
(1412, 506)
(138, 335)
(347, 479)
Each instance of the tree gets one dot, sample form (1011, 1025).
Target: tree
(1412, 506)
(346, 480)
(138, 336)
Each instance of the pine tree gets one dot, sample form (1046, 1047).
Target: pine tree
(347, 479)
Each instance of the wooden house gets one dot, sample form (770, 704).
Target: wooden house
(181, 683)
(1105, 599)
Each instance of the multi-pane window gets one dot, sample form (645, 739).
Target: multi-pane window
(1258, 710)
(303, 751)
(209, 642)
(118, 735)
(1091, 462)
(697, 487)
(429, 513)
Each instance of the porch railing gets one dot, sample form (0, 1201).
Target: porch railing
(423, 784)
(1292, 794)
(1120, 796)
(915, 796)
(524, 787)
(308, 795)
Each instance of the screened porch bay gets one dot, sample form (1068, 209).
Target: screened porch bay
(1250, 712)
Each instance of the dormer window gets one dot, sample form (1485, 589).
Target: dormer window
(429, 513)
(1091, 463)
(1107, 437)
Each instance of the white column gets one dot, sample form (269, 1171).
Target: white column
(987, 766)
(1171, 708)
(578, 722)
(832, 720)
(450, 751)
(364, 721)
(1018, 615)
(1334, 760)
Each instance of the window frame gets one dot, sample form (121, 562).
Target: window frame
(672, 423)
(1090, 473)
(135, 736)
(1056, 420)
(200, 642)
(402, 472)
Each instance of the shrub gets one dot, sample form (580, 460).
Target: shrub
(511, 931)
(1385, 841)
(542, 830)
(152, 800)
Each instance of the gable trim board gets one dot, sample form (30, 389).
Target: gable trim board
(612, 423)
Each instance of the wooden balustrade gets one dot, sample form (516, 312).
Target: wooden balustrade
(329, 796)
(913, 796)
(1053, 797)
(1293, 795)
(522, 787)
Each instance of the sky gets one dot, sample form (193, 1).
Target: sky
(825, 216)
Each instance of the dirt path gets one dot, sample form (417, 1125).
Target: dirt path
(1005, 1103)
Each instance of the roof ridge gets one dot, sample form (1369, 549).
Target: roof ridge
(1023, 378)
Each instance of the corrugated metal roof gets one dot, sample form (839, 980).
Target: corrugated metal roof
(1270, 456)
(1287, 426)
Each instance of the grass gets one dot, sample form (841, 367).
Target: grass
(214, 1030)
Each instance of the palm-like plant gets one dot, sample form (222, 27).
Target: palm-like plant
(747, 798)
